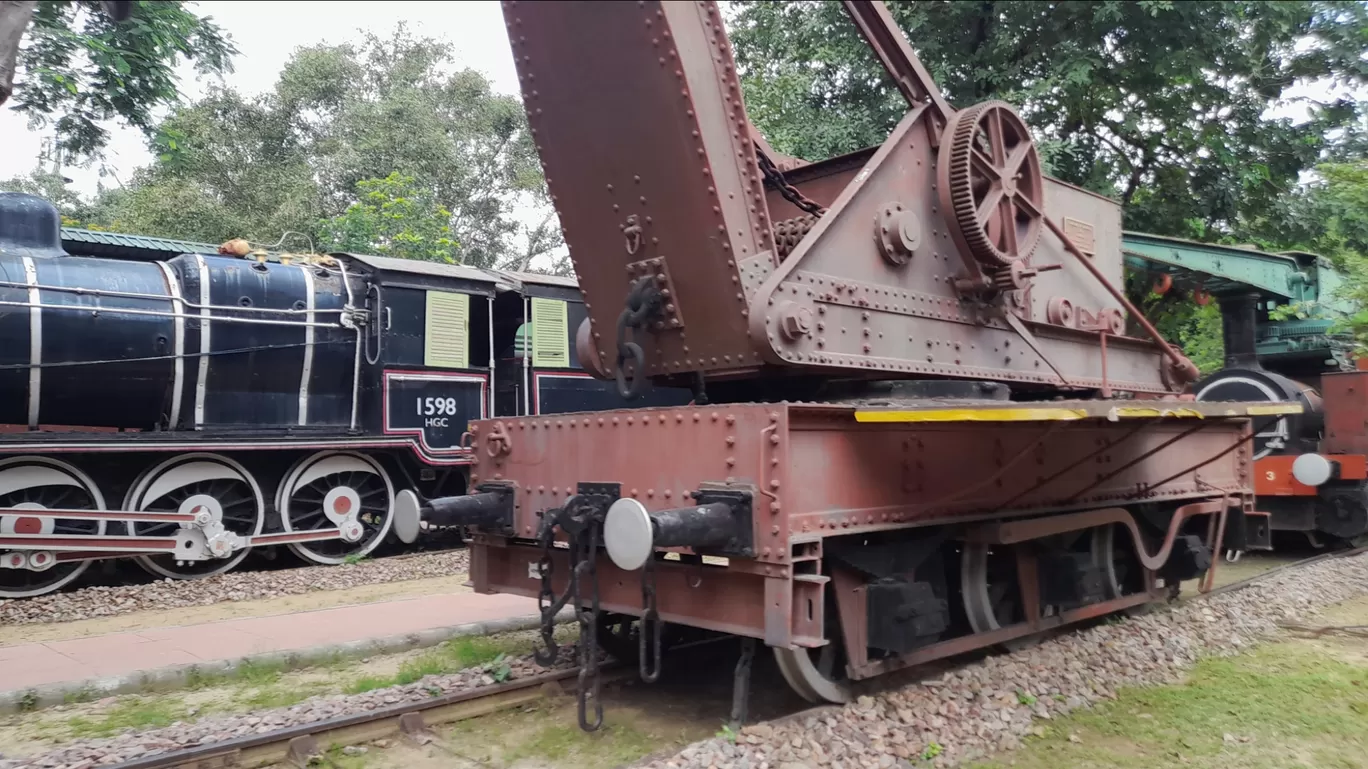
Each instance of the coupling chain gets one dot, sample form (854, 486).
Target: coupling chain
(649, 637)
(582, 521)
(790, 193)
(644, 303)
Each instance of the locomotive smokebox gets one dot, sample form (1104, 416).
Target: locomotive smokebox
(631, 533)
(490, 509)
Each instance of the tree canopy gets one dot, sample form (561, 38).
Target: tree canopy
(393, 218)
(1165, 105)
(346, 131)
(79, 68)
(1194, 114)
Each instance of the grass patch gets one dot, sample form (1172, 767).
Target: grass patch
(547, 735)
(613, 745)
(447, 657)
(253, 686)
(1280, 706)
(248, 672)
(138, 713)
(279, 695)
(334, 758)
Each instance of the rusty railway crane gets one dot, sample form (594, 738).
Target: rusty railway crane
(919, 426)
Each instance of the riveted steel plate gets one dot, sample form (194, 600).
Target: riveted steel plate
(636, 111)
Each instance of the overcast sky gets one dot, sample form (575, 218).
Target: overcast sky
(266, 33)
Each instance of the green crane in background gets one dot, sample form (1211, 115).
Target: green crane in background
(1279, 310)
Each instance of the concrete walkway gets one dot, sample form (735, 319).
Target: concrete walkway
(25, 666)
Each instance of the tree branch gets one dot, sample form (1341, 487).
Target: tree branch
(15, 16)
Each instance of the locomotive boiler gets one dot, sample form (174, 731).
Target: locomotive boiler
(919, 424)
(166, 403)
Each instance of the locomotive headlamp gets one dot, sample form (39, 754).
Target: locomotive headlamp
(1312, 469)
(631, 534)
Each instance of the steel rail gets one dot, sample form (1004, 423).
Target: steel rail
(296, 744)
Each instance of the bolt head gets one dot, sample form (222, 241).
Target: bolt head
(794, 321)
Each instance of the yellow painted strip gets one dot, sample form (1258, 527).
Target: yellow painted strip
(1058, 414)
(974, 415)
(1154, 412)
(1275, 408)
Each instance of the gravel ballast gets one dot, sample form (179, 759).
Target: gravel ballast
(974, 710)
(991, 705)
(101, 601)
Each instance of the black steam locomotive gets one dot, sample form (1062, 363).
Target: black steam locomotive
(162, 402)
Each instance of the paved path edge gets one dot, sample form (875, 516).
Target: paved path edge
(174, 677)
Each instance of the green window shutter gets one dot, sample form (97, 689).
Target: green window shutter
(520, 341)
(447, 330)
(550, 337)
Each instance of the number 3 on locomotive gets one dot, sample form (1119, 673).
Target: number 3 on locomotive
(431, 406)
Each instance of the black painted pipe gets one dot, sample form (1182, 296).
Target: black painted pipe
(631, 533)
(700, 526)
(487, 509)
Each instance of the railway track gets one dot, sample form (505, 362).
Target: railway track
(298, 745)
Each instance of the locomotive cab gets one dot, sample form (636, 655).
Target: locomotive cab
(539, 370)
(425, 358)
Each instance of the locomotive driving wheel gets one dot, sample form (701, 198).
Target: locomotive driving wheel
(197, 483)
(340, 490)
(35, 483)
(990, 184)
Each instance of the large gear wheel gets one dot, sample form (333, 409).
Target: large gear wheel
(991, 186)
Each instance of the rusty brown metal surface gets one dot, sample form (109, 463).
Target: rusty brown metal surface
(636, 110)
(649, 155)
(909, 320)
(943, 253)
(690, 594)
(857, 476)
(1345, 396)
(815, 472)
(877, 27)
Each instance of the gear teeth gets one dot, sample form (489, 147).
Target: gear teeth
(965, 209)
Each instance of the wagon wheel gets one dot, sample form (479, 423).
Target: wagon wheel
(991, 184)
(1113, 551)
(818, 674)
(991, 591)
